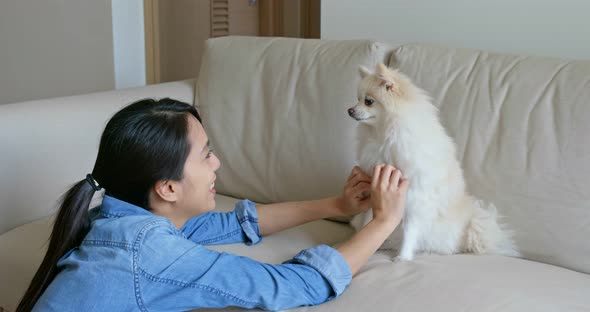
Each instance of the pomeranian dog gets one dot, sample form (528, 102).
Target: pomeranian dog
(399, 125)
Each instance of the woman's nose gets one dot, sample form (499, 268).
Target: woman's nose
(216, 162)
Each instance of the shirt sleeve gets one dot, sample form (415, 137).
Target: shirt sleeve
(176, 274)
(217, 228)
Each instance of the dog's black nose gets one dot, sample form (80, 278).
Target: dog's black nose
(350, 111)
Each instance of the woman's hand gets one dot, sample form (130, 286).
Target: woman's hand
(355, 197)
(388, 194)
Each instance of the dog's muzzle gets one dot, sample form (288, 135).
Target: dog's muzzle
(352, 113)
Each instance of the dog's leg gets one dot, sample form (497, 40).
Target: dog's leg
(410, 241)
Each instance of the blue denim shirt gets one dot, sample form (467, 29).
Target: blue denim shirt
(133, 260)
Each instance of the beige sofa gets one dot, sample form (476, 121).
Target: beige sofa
(275, 112)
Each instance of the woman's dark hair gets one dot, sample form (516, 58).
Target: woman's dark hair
(143, 143)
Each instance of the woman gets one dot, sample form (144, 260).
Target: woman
(142, 248)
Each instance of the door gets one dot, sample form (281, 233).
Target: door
(175, 31)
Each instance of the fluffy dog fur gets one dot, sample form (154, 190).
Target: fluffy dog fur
(399, 125)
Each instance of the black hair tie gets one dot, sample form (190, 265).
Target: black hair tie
(95, 186)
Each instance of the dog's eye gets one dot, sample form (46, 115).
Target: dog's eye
(368, 102)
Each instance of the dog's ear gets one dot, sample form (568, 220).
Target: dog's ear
(384, 74)
(364, 71)
(382, 70)
(388, 85)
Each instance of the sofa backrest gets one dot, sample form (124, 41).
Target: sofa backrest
(47, 145)
(522, 128)
(275, 110)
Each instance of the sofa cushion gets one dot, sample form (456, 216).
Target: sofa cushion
(275, 110)
(23, 249)
(522, 128)
(462, 283)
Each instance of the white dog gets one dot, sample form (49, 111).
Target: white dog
(399, 125)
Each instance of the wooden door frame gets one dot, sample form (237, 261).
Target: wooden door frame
(271, 18)
(310, 18)
(152, 41)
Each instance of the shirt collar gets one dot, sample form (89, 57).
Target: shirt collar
(112, 207)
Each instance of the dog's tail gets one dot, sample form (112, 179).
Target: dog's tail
(485, 235)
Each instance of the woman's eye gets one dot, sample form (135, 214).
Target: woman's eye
(369, 102)
(209, 153)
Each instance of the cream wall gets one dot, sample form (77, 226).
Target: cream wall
(54, 48)
(537, 27)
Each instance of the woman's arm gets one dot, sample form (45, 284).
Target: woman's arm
(248, 221)
(218, 228)
(277, 217)
(176, 274)
(281, 216)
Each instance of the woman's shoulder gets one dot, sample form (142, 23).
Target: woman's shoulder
(129, 229)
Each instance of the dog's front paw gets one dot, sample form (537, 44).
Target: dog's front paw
(404, 255)
(402, 258)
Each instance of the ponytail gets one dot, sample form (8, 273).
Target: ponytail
(70, 228)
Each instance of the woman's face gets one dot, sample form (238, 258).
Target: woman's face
(197, 185)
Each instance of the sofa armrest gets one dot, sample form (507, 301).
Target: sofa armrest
(49, 144)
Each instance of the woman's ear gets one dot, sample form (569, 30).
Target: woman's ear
(166, 190)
